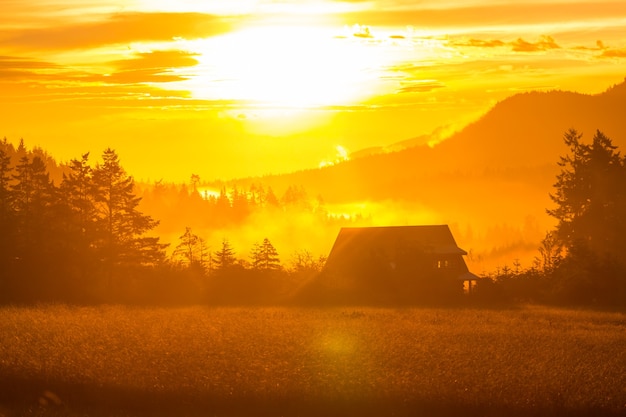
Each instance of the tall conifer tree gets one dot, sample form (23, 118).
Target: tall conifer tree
(120, 225)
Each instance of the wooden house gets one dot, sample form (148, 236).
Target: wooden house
(399, 263)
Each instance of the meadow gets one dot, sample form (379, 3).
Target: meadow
(58, 360)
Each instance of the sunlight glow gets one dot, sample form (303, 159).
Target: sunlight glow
(283, 66)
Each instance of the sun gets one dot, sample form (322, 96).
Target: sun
(283, 67)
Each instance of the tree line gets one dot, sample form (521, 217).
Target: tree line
(231, 206)
(80, 236)
(85, 239)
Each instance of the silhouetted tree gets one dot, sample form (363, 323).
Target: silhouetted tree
(222, 204)
(192, 250)
(265, 256)
(77, 190)
(78, 197)
(591, 196)
(195, 180)
(224, 258)
(121, 226)
(7, 235)
(295, 197)
(203, 255)
(36, 244)
(240, 204)
(33, 197)
(186, 248)
(5, 181)
(270, 198)
(303, 261)
(551, 253)
(21, 149)
(591, 202)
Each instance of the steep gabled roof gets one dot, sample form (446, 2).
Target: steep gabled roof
(430, 239)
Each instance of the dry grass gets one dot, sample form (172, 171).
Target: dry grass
(58, 360)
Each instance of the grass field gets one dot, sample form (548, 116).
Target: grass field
(200, 361)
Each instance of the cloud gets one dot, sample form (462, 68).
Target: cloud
(146, 67)
(17, 67)
(139, 76)
(614, 53)
(13, 62)
(119, 29)
(545, 43)
(599, 47)
(458, 14)
(420, 86)
(480, 43)
(155, 66)
(360, 31)
(158, 59)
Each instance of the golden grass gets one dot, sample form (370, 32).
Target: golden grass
(114, 360)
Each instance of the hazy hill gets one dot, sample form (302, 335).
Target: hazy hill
(520, 137)
(527, 129)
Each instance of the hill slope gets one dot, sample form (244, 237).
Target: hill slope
(520, 135)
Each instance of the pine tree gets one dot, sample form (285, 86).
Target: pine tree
(78, 197)
(120, 225)
(591, 202)
(270, 199)
(5, 191)
(6, 212)
(222, 205)
(240, 205)
(76, 220)
(265, 256)
(224, 258)
(33, 195)
(203, 255)
(591, 196)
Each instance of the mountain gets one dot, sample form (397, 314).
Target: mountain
(526, 129)
(519, 137)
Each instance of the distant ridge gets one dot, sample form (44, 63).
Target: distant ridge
(522, 133)
(527, 129)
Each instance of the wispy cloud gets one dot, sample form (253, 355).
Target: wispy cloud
(158, 60)
(12, 67)
(599, 47)
(544, 44)
(614, 53)
(483, 13)
(120, 28)
(149, 67)
(479, 43)
(13, 62)
(420, 86)
(156, 66)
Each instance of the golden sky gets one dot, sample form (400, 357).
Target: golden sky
(250, 87)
